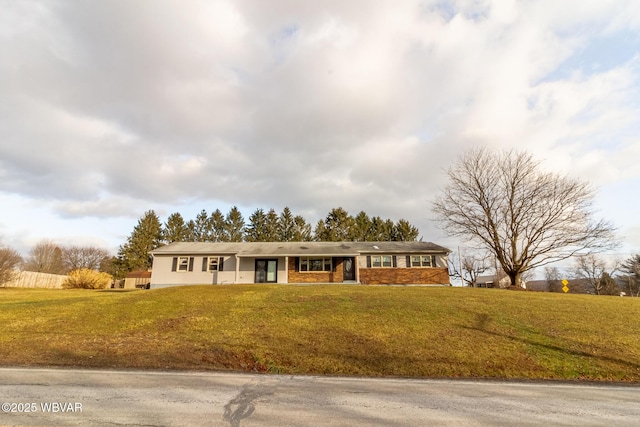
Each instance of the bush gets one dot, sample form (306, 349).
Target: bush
(85, 278)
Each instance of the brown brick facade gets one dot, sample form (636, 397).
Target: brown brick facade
(315, 276)
(371, 276)
(404, 276)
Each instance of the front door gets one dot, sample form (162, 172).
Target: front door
(266, 271)
(348, 269)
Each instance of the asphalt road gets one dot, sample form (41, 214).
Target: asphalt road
(111, 398)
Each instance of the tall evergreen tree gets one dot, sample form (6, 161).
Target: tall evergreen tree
(286, 226)
(301, 230)
(146, 236)
(218, 227)
(271, 226)
(320, 233)
(405, 232)
(387, 231)
(175, 229)
(376, 232)
(339, 225)
(361, 227)
(191, 231)
(202, 228)
(256, 229)
(234, 225)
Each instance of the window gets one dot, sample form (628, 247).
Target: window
(182, 264)
(212, 263)
(315, 264)
(423, 261)
(382, 261)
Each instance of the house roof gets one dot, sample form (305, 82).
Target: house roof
(248, 249)
(140, 274)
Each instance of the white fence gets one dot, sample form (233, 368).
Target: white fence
(31, 279)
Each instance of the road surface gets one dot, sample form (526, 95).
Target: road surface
(61, 397)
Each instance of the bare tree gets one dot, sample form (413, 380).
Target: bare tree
(524, 216)
(9, 262)
(596, 274)
(90, 257)
(45, 257)
(553, 278)
(468, 266)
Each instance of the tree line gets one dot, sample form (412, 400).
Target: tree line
(589, 273)
(262, 226)
(149, 233)
(49, 257)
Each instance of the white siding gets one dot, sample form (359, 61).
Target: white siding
(162, 276)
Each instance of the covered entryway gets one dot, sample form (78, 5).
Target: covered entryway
(266, 271)
(348, 269)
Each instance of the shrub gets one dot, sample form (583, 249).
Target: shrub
(85, 278)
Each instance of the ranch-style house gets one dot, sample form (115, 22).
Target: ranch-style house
(367, 263)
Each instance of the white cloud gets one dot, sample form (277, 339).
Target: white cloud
(118, 107)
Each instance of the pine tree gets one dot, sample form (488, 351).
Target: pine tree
(405, 232)
(146, 236)
(320, 233)
(286, 226)
(175, 229)
(255, 230)
(388, 230)
(361, 227)
(339, 225)
(202, 228)
(191, 231)
(376, 232)
(218, 227)
(301, 230)
(271, 226)
(234, 225)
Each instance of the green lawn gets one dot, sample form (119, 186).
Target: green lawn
(333, 329)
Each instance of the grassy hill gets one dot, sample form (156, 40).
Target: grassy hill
(337, 330)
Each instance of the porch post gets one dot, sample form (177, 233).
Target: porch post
(286, 269)
(237, 269)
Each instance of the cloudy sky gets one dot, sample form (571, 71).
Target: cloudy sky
(112, 108)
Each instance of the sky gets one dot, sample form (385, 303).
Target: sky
(110, 109)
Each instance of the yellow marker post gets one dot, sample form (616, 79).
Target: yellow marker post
(565, 288)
